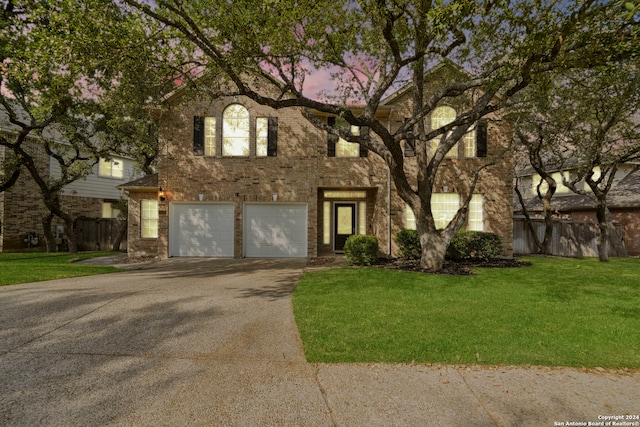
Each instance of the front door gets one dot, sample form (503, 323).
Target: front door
(345, 223)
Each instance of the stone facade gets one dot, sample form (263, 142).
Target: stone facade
(302, 172)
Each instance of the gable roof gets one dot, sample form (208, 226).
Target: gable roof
(146, 183)
(446, 63)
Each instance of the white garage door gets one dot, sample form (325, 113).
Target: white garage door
(201, 230)
(275, 230)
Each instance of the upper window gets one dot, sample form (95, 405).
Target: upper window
(557, 177)
(209, 136)
(112, 168)
(345, 148)
(232, 134)
(340, 147)
(262, 136)
(235, 131)
(440, 117)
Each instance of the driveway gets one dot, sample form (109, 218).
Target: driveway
(213, 342)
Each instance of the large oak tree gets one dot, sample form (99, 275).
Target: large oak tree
(372, 47)
(74, 83)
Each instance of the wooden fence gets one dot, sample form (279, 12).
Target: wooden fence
(571, 239)
(98, 234)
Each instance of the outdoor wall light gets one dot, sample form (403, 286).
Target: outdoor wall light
(274, 197)
(201, 197)
(162, 194)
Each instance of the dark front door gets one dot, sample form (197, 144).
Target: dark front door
(345, 223)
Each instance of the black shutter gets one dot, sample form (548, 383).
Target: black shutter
(481, 139)
(272, 137)
(198, 136)
(331, 139)
(364, 132)
(408, 149)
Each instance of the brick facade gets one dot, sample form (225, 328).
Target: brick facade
(302, 172)
(22, 209)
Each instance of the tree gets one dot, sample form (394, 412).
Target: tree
(373, 47)
(75, 89)
(587, 121)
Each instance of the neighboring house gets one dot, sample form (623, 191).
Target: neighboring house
(238, 179)
(623, 201)
(22, 209)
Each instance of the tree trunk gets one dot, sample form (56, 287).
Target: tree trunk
(603, 238)
(49, 237)
(434, 249)
(122, 231)
(72, 237)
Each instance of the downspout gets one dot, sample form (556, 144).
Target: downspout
(389, 196)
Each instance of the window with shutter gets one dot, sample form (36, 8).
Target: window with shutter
(198, 136)
(272, 137)
(481, 139)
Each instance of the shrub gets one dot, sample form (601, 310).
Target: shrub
(361, 250)
(409, 244)
(477, 245)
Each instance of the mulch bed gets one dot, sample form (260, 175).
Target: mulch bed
(456, 268)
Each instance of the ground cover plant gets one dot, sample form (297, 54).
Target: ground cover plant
(38, 266)
(557, 312)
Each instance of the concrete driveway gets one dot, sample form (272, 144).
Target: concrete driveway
(213, 342)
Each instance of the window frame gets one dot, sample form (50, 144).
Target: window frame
(260, 133)
(147, 221)
(109, 173)
(236, 131)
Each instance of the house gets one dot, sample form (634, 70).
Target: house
(623, 201)
(239, 179)
(21, 206)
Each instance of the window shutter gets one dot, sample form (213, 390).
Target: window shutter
(408, 149)
(331, 139)
(198, 136)
(481, 139)
(272, 137)
(364, 131)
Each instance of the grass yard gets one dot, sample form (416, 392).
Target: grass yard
(559, 312)
(38, 266)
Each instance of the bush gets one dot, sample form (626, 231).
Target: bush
(477, 245)
(409, 244)
(361, 250)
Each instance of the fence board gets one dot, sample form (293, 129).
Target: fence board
(571, 239)
(98, 234)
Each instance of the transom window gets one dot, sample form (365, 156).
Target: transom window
(235, 131)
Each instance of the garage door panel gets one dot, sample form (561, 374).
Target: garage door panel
(202, 230)
(275, 230)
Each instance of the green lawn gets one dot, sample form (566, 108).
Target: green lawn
(559, 312)
(38, 266)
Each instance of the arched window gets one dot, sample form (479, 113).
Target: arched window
(235, 131)
(442, 116)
